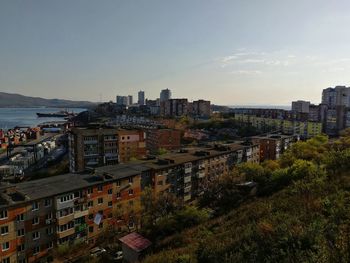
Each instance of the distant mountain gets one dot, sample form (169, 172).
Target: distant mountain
(8, 100)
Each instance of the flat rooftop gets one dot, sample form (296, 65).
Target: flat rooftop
(11, 195)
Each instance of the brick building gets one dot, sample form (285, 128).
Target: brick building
(167, 139)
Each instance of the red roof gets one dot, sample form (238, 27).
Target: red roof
(135, 242)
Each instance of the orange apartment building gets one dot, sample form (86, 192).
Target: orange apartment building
(37, 217)
(131, 145)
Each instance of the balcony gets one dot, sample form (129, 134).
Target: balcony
(187, 189)
(201, 174)
(81, 213)
(187, 197)
(66, 233)
(188, 170)
(187, 179)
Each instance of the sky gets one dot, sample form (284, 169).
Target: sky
(234, 52)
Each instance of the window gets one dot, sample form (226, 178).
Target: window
(89, 190)
(131, 192)
(5, 246)
(36, 250)
(100, 201)
(110, 191)
(110, 204)
(160, 183)
(47, 202)
(22, 261)
(4, 230)
(20, 247)
(20, 217)
(119, 195)
(99, 188)
(49, 231)
(131, 180)
(66, 227)
(6, 260)
(100, 225)
(36, 235)
(66, 198)
(50, 245)
(91, 229)
(20, 232)
(66, 212)
(35, 206)
(3, 214)
(118, 183)
(90, 204)
(48, 216)
(35, 220)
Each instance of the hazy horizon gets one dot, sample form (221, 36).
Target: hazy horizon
(229, 52)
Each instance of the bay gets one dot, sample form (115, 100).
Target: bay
(11, 117)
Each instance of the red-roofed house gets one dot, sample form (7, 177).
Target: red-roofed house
(134, 246)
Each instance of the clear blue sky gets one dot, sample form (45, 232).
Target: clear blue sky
(231, 52)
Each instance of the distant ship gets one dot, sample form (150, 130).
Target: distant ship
(60, 114)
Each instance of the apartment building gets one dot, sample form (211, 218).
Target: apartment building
(92, 147)
(301, 106)
(131, 145)
(201, 109)
(272, 146)
(188, 172)
(37, 217)
(305, 129)
(174, 107)
(167, 139)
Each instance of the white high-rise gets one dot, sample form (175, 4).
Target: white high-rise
(165, 94)
(338, 96)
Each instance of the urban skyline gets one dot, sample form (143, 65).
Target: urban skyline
(233, 48)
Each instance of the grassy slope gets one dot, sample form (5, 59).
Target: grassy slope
(306, 222)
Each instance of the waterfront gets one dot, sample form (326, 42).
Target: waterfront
(11, 117)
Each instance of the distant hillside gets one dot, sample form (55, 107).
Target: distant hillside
(17, 100)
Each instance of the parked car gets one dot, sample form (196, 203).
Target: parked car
(97, 251)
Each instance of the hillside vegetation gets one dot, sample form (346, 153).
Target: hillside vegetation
(301, 212)
(17, 100)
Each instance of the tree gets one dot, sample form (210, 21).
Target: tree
(222, 194)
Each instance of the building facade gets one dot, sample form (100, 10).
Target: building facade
(301, 106)
(201, 109)
(92, 147)
(141, 98)
(38, 217)
(174, 107)
(131, 145)
(167, 139)
(165, 94)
